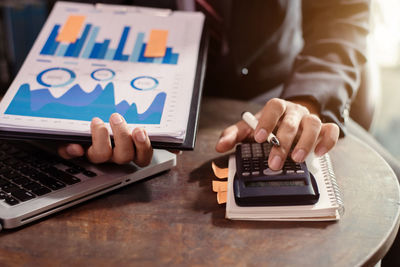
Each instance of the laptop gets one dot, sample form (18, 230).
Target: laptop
(34, 182)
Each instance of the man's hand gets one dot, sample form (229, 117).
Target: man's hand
(294, 122)
(128, 147)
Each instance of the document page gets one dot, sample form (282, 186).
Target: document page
(91, 61)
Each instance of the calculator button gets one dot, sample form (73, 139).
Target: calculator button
(290, 171)
(245, 173)
(255, 173)
(271, 172)
(300, 171)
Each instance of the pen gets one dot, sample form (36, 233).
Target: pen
(252, 122)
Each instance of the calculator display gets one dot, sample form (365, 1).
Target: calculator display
(275, 183)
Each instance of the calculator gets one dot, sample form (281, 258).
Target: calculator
(257, 185)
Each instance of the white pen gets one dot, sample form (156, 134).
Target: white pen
(252, 122)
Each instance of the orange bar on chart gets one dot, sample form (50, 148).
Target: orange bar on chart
(71, 29)
(157, 44)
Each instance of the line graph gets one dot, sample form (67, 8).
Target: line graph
(76, 104)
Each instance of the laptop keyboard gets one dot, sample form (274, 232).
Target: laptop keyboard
(27, 172)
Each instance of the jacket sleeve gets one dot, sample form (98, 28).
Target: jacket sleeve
(327, 71)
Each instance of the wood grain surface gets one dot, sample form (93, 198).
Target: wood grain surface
(174, 219)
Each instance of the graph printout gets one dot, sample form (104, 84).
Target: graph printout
(92, 61)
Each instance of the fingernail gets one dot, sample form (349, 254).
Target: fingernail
(96, 121)
(225, 137)
(321, 151)
(222, 139)
(276, 163)
(116, 118)
(71, 150)
(299, 155)
(261, 136)
(141, 136)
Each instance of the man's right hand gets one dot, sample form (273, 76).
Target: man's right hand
(128, 147)
(296, 122)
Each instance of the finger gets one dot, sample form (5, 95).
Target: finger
(329, 136)
(69, 151)
(123, 151)
(232, 135)
(270, 115)
(286, 134)
(311, 127)
(100, 150)
(144, 151)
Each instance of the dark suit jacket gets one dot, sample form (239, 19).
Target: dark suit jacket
(314, 47)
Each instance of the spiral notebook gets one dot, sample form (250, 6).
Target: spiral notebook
(328, 208)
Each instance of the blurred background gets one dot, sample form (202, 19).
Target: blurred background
(21, 21)
(384, 41)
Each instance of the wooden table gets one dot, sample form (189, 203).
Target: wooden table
(173, 219)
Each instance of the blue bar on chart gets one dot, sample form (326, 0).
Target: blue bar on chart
(158, 60)
(74, 49)
(81, 41)
(109, 54)
(51, 44)
(170, 58)
(99, 50)
(137, 48)
(173, 59)
(61, 50)
(167, 57)
(142, 58)
(118, 53)
(103, 49)
(90, 43)
(95, 50)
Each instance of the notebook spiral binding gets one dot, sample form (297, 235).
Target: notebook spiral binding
(330, 180)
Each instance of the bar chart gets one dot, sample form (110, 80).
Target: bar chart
(74, 39)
